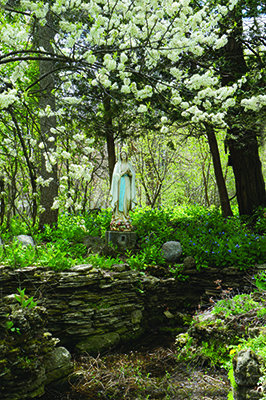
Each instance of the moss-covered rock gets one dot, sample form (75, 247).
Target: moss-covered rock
(95, 344)
(26, 351)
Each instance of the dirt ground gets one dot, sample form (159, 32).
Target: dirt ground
(142, 374)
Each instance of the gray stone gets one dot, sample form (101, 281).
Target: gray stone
(246, 368)
(95, 344)
(123, 240)
(171, 251)
(25, 240)
(120, 267)
(136, 317)
(82, 268)
(94, 244)
(261, 267)
(58, 365)
(189, 262)
(90, 241)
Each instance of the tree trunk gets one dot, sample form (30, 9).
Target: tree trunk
(2, 200)
(109, 133)
(224, 199)
(48, 193)
(250, 186)
(242, 142)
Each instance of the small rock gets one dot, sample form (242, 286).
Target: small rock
(189, 262)
(136, 317)
(120, 267)
(171, 251)
(168, 314)
(25, 240)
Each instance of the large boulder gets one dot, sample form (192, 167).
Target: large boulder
(171, 251)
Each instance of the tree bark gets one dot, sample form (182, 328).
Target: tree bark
(224, 199)
(250, 186)
(2, 200)
(109, 134)
(48, 193)
(242, 142)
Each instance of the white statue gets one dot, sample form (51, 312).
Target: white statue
(123, 194)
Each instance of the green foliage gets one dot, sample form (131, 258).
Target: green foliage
(70, 227)
(17, 255)
(10, 326)
(233, 383)
(203, 233)
(98, 222)
(257, 344)
(211, 352)
(103, 262)
(23, 299)
(236, 305)
(260, 280)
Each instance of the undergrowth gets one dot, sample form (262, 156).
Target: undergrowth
(203, 233)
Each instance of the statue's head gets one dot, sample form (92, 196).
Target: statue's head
(123, 156)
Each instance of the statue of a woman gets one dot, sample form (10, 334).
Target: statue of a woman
(123, 194)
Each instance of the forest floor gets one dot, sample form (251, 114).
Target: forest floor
(142, 374)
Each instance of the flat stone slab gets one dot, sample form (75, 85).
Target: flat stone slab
(123, 240)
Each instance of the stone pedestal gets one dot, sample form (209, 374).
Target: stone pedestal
(123, 240)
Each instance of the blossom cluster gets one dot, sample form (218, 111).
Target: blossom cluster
(137, 36)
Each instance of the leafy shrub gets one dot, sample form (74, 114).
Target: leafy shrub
(203, 233)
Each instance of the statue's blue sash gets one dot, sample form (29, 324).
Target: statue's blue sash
(122, 193)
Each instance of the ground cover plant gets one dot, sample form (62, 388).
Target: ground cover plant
(203, 233)
(232, 324)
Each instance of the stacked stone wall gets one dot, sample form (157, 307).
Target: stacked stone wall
(90, 309)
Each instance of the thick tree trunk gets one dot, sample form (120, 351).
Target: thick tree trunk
(224, 199)
(250, 186)
(109, 133)
(242, 142)
(48, 193)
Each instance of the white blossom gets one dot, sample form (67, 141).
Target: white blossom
(255, 103)
(56, 204)
(142, 108)
(164, 129)
(7, 98)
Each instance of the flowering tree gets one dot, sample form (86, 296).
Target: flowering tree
(143, 48)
